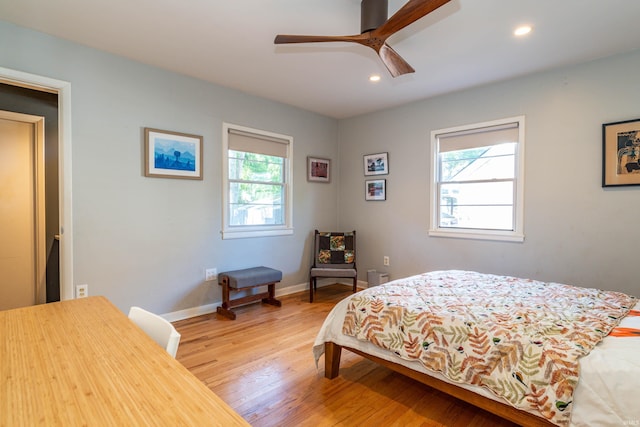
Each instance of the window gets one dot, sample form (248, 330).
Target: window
(477, 181)
(256, 183)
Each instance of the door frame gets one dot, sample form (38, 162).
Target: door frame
(63, 90)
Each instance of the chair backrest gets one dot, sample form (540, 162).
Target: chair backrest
(158, 328)
(334, 249)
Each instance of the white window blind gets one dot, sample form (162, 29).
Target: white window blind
(256, 143)
(483, 137)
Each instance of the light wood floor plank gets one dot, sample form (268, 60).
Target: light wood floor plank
(261, 364)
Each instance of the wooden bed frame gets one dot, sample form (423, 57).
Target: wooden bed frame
(332, 367)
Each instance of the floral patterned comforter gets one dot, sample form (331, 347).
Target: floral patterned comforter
(519, 338)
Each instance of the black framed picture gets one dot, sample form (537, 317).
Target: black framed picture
(376, 164)
(375, 189)
(621, 153)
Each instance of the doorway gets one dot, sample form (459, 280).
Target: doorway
(51, 94)
(22, 211)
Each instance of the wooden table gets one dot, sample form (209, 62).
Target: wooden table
(83, 362)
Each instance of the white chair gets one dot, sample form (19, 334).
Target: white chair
(158, 328)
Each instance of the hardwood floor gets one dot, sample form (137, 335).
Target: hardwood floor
(261, 364)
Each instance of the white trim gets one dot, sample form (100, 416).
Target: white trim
(242, 234)
(229, 232)
(188, 313)
(63, 90)
(517, 235)
(505, 236)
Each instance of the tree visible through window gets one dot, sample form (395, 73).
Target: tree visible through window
(256, 184)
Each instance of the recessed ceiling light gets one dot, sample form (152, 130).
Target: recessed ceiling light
(374, 78)
(522, 30)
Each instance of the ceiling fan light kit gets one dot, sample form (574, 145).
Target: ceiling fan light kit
(376, 29)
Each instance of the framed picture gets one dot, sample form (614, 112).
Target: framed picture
(621, 153)
(172, 154)
(318, 170)
(375, 189)
(376, 164)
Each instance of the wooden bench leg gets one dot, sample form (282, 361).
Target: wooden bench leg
(226, 313)
(225, 292)
(268, 297)
(225, 310)
(271, 299)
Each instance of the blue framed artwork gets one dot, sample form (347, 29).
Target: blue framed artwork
(172, 154)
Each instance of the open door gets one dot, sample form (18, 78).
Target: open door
(22, 211)
(59, 222)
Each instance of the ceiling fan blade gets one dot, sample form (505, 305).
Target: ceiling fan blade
(406, 15)
(394, 62)
(287, 38)
(375, 39)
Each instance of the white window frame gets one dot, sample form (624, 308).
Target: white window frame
(239, 232)
(515, 235)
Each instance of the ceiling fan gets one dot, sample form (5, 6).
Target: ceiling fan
(375, 29)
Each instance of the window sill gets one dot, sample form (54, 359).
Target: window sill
(502, 236)
(243, 234)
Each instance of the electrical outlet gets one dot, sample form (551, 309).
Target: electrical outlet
(210, 274)
(82, 291)
(385, 260)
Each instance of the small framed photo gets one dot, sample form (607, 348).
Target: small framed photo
(621, 153)
(376, 164)
(172, 154)
(375, 189)
(318, 170)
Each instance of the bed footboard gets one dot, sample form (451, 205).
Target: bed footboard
(333, 351)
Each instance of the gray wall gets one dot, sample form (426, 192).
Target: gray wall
(146, 241)
(575, 231)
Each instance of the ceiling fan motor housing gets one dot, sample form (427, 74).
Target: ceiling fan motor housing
(373, 13)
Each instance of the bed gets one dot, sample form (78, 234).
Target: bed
(534, 353)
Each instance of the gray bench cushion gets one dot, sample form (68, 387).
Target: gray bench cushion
(250, 277)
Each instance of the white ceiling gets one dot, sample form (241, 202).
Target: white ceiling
(465, 43)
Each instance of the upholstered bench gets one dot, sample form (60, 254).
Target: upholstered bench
(246, 279)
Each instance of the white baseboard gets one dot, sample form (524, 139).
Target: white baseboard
(211, 308)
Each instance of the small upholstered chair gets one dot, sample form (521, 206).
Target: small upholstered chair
(158, 328)
(334, 255)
